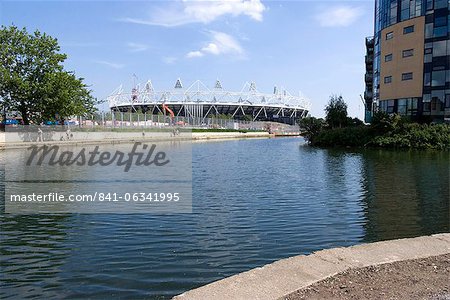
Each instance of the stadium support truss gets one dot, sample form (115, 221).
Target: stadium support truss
(199, 101)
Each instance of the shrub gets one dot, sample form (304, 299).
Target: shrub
(346, 137)
(419, 136)
(311, 127)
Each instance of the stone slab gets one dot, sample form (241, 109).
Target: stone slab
(283, 277)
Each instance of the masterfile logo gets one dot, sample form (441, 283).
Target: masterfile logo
(52, 155)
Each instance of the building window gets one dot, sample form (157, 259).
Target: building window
(408, 29)
(440, 31)
(388, 57)
(428, 30)
(438, 68)
(401, 106)
(439, 48)
(440, 4)
(393, 13)
(427, 79)
(388, 79)
(390, 106)
(434, 101)
(438, 78)
(440, 21)
(407, 76)
(383, 106)
(408, 53)
(404, 14)
(412, 105)
(447, 101)
(389, 35)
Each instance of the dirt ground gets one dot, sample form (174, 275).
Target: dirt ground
(427, 278)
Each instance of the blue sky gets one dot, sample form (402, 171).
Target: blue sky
(310, 46)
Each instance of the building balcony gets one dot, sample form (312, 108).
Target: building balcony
(368, 77)
(370, 42)
(368, 95)
(369, 59)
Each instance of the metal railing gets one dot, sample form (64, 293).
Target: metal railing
(143, 120)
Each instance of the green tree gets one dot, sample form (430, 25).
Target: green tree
(66, 96)
(354, 122)
(336, 112)
(33, 80)
(311, 127)
(383, 123)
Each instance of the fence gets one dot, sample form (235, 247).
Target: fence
(144, 120)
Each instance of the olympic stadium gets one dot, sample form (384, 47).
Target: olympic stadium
(200, 102)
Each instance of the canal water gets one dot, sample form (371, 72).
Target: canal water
(254, 202)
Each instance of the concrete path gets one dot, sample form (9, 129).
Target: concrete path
(281, 278)
(94, 138)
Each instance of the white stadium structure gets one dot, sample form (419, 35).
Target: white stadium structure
(199, 101)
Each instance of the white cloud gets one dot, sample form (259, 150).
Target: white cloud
(110, 64)
(207, 11)
(338, 16)
(169, 60)
(221, 43)
(211, 48)
(136, 47)
(193, 54)
(201, 11)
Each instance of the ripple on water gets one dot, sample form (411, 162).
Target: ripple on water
(255, 201)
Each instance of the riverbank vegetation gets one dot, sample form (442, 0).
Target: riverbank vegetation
(385, 131)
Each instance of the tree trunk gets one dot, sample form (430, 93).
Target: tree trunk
(24, 113)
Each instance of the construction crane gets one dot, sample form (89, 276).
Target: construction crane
(166, 108)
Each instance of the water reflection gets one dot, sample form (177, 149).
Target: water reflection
(255, 201)
(33, 248)
(407, 193)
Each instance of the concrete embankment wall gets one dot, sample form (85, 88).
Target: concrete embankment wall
(14, 141)
(281, 278)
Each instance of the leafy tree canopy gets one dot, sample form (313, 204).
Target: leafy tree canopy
(336, 112)
(311, 127)
(33, 80)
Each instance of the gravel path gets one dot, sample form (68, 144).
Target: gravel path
(427, 278)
